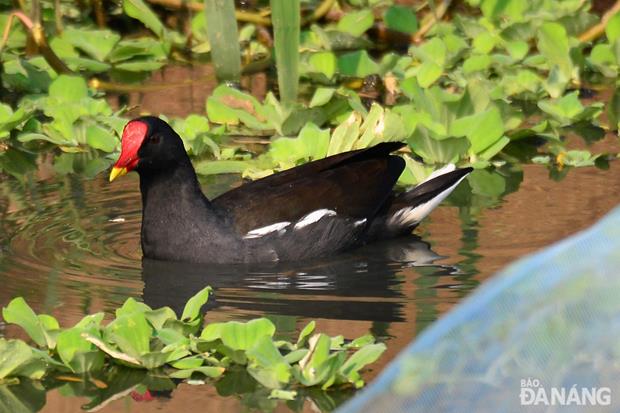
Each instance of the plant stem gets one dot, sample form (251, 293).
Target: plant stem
(598, 29)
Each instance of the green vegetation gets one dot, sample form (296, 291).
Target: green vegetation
(501, 83)
(181, 348)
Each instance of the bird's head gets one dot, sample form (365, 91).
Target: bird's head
(148, 143)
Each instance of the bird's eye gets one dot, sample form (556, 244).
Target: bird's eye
(154, 139)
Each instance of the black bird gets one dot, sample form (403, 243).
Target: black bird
(317, 209)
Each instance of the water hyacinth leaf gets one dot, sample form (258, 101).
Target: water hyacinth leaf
(433, 151)
(296, 355)
(321, 96)
(13, 354)
(96, 43)
(517, 49)
(476, 63)
(612, 29)
(267, 365)
(130, 306)
(569, 109)
(69, 342)
(230, 106)
(487, 183)
(67, 88)
(361, 358)
(221, 167)
(19, 312)
(554, 46)
(10, 120)
(101, 138)
(312, 143)
(188, 362)
(356, 23)
(159, 317)
(143, 47)
(401, 19)
(240, 336)
(285, 17)
(482, 129)
(357, 64)
(344, 136)
(323, 62)
(191, 311)
(140, 11)
(131, 333)
(209, 371)
(304, 334)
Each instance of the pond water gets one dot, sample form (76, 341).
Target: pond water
(70, 245)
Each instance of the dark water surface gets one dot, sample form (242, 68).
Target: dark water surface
(71, 246)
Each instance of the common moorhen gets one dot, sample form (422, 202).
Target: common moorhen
(316, 209)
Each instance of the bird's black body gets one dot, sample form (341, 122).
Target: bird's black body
(316, 209)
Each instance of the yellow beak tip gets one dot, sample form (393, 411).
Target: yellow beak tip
(116, 172)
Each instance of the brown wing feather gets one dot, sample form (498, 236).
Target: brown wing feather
(354, 184)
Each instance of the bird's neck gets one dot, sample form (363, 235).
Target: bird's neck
(172, 189)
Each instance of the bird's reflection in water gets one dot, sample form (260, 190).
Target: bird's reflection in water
(360, 285)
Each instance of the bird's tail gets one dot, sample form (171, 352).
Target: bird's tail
(405, 210)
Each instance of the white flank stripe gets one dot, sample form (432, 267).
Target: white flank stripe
(360, 222)
(262, 231)
(313, 217)
(412, 215)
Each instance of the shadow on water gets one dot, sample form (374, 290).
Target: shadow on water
(355, 286)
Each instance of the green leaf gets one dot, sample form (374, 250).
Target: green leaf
(323, 62)
(400, 18)
(267, 365)
(283, 394)
(101, 138)
(305, 333)
(96, 43)
(554, 46)
(13, 354)
(356, 23)
(131, 333)
(361, 358)
(239, 336)
(612, 29)
(67, 88)
(140, 11)
(69, 343)
(358, 64)
(487, 183)
(19, 312)
(433, 151)
(208, 371)
(321, 96)
(221, 167)
(191, 311)
(482, 129)
(476, 63)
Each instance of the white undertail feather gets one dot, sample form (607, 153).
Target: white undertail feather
(441, 171)
(410, 216)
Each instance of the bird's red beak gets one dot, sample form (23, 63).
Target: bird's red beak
(133, 136)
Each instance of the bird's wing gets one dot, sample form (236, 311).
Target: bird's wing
(353, 184)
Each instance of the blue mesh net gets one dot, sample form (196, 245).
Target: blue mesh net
(542, 335)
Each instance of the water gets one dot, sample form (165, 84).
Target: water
(71, 245)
